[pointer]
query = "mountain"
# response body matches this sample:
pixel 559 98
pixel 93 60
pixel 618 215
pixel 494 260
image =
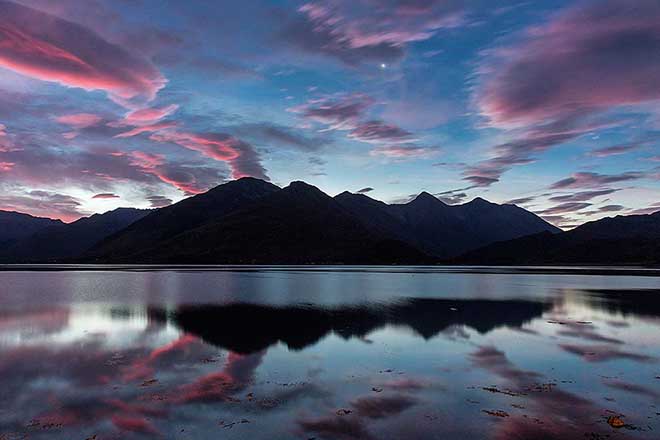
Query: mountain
pixel 61 240
pixel 250 221
pixel 16 226
pixel 166 223
pixel 445 230
pixel 633 239
pixel 298 224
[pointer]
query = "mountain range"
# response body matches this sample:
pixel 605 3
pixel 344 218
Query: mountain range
pixel 251 221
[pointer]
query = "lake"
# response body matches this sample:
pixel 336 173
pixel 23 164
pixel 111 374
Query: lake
pixel 329 353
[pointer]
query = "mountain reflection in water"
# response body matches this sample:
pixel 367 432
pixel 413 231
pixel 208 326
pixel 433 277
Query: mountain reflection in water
pixel 556 358
pixel 246 328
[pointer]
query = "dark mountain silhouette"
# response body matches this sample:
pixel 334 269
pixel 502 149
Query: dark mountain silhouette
pixel 16 226
pixel 445 230
pixel 250 221
pixel 249 328
pixel 633 239
pixel 66 240
pixel 298 224
pixel 166 223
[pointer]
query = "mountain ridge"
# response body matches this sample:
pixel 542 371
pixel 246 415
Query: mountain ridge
pixel 633 239
pixel 251 221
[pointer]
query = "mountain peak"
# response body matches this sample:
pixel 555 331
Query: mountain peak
pixel 480 202
pixel 249 179
pixel 300 188
pixel 299 184
pixel 427 199
pixel 243 185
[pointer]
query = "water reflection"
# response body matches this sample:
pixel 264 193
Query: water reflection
pixel 246 328
pixel 566 363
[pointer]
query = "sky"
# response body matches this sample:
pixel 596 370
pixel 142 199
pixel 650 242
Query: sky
pixel 551 105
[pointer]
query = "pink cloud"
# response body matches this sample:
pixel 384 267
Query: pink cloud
pixel 146 129
pixel 149 115
pixel 49 48
pixel 79 120
pixel 6 166
pixel 155 164
pixel 242 158
pixel 145 116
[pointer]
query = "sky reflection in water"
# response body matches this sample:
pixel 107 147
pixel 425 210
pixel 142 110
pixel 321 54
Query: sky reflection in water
pixel 328 354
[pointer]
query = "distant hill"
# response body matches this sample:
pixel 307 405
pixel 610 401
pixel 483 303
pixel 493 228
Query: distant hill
pixel 445 230
pixel 16 226
pixel 59 241
pixel 633 239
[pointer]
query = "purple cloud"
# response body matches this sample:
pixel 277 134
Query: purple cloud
pixel 582 196
pixel 590 180
pixel 339 112
pixel 520 201
pixel 614 150
pixel 564 208
pixel 606 208
pixel 379 132
pixel 105 196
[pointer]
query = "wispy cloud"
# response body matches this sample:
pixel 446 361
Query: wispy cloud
pixel 52 49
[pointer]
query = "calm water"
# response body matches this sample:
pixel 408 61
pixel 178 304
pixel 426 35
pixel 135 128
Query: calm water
pixel 327 353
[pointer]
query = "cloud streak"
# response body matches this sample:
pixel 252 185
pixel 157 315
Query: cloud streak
pixel 595 180
pixel 49 48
